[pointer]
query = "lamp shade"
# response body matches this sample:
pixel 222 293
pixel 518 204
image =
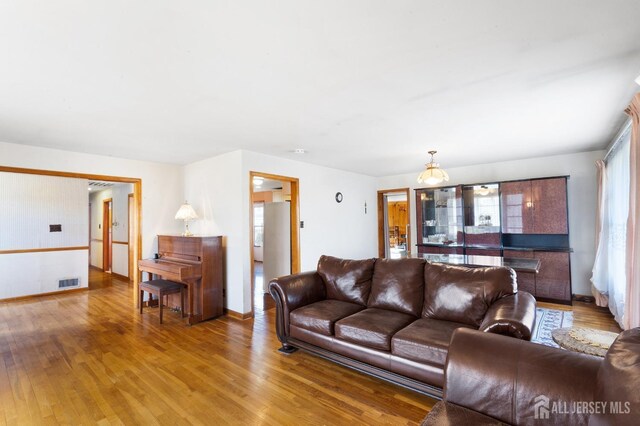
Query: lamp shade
pixel 186 212
pixel 433 174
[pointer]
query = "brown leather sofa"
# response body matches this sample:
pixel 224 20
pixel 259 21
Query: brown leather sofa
pixel 493 380
pixel 394 318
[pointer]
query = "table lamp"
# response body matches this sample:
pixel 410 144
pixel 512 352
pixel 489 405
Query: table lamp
pixel 186 213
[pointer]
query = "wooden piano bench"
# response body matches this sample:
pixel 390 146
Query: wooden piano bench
pixel 162 288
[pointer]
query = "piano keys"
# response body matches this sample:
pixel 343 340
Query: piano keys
pixel 196 262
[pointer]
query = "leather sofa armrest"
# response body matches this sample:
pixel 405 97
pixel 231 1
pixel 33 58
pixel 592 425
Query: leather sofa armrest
pixel 512 315
pixel 509 379
pixel 290 293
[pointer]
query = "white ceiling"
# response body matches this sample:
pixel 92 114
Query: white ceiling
pixel 367 86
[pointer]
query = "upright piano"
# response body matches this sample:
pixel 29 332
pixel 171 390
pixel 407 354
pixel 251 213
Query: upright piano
pixel 196 262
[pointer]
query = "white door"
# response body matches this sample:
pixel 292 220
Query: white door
pixel 277 241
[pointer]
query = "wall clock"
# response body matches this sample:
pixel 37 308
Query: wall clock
pixel 338 197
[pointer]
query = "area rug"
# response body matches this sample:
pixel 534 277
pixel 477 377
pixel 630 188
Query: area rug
pixel 548 320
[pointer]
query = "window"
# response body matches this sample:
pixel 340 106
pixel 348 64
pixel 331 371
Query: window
pixel 609 272
pixel 258 224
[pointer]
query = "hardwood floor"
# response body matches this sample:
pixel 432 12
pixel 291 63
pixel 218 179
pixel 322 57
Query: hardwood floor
pixel 588 315
pixel 91 358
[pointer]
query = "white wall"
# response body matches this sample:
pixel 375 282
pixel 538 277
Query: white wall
pixel 213 187
pixel 162 184
pixel 581 198
pixel 28 205
pixel 33 273
pixel 218 188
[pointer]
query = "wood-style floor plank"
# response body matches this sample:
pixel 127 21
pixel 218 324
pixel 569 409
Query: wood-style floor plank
pixel 91 358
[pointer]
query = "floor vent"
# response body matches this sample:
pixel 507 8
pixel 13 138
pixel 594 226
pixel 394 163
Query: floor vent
pixel 71 282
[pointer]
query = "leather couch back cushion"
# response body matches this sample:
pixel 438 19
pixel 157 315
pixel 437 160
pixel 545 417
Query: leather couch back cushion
pixel 619 378
pixel 398 285
pixel 459 294
pixel 346 280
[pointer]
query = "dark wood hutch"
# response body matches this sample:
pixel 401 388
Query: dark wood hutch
pixel 525 218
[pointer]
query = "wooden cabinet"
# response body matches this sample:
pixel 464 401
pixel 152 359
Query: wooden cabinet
pixel 537 206
pixel 482 252
pixel 553 281
pixel 550 206
pixel 527 217
pixel 526 280
pixel 517 207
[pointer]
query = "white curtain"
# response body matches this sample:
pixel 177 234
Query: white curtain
pixel 609 271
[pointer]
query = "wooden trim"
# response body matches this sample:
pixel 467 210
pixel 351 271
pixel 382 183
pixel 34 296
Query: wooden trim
pixel 96 240
pixel 126 243
pixel 294 223
pixel 51 293
pixel 137 248
pixel 121 277
pixel 381 241
pixel 68 174
pixel 43 250
pixel 584 298
pixel 237 315
pixel 130 235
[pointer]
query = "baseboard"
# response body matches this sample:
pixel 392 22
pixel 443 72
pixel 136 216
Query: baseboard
pixel 584 298
pixel 238 315
pixel 51 293
pixel 120 277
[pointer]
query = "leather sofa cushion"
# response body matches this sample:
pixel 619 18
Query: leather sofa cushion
pixel 425 340
pixel 460 294
pixel 320 317
pixel 346 280
pixel 619 378
pixel 398 285
pixel 446 414
pixel 372 327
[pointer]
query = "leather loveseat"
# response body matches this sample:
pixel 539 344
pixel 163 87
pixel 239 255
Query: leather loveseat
pixel 493 380
pixel 394 318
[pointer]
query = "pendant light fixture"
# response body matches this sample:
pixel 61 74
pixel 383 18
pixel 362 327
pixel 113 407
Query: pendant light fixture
pixel 433 174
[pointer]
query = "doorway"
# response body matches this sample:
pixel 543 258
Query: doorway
pixel 275 238
pixel 95 246
pixel 107 234
pixel 113 231
pixel 394 234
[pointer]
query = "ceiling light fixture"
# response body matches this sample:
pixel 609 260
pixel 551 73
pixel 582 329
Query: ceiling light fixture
pixel 433 174
pixel 483 190
pixel 299 151
pixel 258 181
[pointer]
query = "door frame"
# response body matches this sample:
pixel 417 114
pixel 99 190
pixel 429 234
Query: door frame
pixel 381 216
pixel 294 223
pixel 137 196
pixel 107 234
pixel 131 213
